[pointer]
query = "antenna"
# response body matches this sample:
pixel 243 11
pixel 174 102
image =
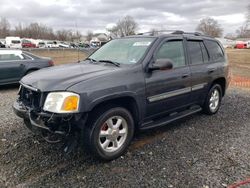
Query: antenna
pixel 78 55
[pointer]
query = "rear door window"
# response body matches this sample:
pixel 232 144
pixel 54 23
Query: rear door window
pixel 195 53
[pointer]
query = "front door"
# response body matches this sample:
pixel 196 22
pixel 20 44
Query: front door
pixel 11 68
pixel 168 90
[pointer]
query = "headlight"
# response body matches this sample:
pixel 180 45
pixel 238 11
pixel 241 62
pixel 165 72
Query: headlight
pixel 62 102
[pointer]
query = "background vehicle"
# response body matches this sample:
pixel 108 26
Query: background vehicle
pixel 241 45
pixel 40 44
pixel 27 44
pixel 63 45
pixel 132 83
pixel 48 44
pixel 14 64
pixel 2 45
pixel 55 44
pixel 13 42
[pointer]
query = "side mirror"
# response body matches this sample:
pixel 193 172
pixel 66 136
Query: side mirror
pixel 162 64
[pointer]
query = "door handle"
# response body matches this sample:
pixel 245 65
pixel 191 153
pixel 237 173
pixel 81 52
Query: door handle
pixel 185 75
pixel 211 70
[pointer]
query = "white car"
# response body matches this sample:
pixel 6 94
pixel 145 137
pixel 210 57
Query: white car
pixel 49 44
pixel 13 42
pixel 63 45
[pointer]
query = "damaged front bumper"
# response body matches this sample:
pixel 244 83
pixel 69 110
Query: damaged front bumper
pixel 52 127
pixel 61 124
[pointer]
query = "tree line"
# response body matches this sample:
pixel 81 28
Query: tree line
pixel 37 31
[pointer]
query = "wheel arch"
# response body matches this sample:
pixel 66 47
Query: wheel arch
pixel 222 82
pixel 127 102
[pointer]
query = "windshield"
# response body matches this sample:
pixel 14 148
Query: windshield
pixel 125 51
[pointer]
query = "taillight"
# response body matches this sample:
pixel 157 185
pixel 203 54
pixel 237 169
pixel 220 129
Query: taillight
pixel 51 63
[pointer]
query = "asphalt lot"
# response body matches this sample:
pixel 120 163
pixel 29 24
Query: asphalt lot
pixel 200 151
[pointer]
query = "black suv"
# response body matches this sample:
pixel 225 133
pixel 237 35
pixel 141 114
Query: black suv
pixel 129 84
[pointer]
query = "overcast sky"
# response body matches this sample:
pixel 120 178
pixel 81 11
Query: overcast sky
pixel 96 15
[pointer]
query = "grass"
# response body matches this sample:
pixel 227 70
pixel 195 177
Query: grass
pixel 239 61
pixel 61 56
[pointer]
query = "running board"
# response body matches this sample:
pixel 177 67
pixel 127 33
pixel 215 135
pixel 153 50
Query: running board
pixel 170 118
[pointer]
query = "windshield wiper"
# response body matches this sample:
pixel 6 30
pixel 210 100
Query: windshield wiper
pixel 111 62
pixel 90 59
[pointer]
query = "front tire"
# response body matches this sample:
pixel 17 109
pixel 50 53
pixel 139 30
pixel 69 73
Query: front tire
pixel 109 133
pixel 213 100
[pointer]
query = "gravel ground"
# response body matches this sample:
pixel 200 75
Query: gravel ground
pixel 200 151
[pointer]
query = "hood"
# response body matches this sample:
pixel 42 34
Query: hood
pixel 62 77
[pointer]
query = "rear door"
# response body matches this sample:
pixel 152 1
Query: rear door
pixel 203 68
pixel 11 67
pixel 168 90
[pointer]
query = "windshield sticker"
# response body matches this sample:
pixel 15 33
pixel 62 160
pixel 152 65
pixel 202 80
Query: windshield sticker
pixel 141 43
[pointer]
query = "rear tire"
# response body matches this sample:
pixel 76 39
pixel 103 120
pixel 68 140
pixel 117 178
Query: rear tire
pixel 109 132
pixel 213 100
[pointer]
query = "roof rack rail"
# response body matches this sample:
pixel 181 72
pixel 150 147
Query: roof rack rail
pixel 177 32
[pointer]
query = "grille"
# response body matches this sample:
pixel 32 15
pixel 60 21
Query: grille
pixel 30 98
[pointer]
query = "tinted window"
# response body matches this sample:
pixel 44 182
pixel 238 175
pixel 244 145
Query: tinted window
pixel 195 53
pixel 214 50
pixel 172 50
pixel 204 52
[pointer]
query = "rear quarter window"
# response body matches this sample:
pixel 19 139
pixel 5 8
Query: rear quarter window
pixel 214 50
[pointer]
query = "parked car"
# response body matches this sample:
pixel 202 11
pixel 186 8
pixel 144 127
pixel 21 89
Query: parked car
pixel 83 45
pixel 27 44
pixel 13 42
pixel 241 45
pixel 40 44
pixel 14 64
pixel 132 83
pixel 48 44
pixel 63 45
pixel 2 45
pixel 55 44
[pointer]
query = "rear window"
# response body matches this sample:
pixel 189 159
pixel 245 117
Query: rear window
pixel 16 41
pixel 214 50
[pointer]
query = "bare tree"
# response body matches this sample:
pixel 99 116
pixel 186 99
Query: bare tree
pixel 114 32
pixel 19 30
pixel 248 17
pixel 210 26
pixel 62 34
pixel 124 27
pixel 89 35
pixel 37 31
pixel 4 27
pixel 244 30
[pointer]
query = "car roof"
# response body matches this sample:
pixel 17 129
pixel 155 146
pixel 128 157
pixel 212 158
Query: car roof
pixel 17 52
pixel 171 33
